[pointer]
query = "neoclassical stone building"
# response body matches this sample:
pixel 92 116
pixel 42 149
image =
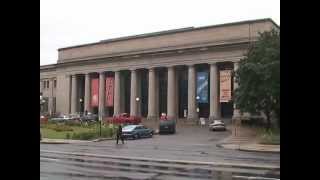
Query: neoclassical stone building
pixel 148 74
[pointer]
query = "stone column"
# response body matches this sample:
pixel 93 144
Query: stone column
pixel 50 98
pixel 192 111
pixel 87 92
pixel 74 101
pixel 122 93
pixel 139 103
pixel 152 95
pixel 236 112
pixel 171 93
pixel 157 94
pixel 102 90
pixel 214 92
pixel 69 93
pixel 133 93
pixel 116 110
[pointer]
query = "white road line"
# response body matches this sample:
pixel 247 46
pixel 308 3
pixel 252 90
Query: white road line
pixel 49 159
pixel 254 178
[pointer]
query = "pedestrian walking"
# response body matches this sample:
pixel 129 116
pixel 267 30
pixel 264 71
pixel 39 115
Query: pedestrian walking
pixel 119 134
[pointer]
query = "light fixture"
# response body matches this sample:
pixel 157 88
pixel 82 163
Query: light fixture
pixel 80 100
pixel 197 97
pixel 137 99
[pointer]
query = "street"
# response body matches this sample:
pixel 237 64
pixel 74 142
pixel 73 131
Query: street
pixel 191 153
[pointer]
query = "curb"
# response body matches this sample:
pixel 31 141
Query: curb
pixel 61 141
pixel 256 150
pixel 102 139
pixel 238 147
pixel 46 142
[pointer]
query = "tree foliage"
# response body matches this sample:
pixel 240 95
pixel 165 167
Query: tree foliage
pixel 258 76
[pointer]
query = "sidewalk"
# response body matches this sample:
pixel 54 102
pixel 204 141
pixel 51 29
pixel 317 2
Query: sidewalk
pixel 245 139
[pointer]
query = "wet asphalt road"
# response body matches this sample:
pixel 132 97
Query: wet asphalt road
pixel 191 144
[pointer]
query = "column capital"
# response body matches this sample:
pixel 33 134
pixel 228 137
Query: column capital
pixel 213 63
pixel 151 69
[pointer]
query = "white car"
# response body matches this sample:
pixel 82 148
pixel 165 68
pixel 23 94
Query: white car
pixel 217 125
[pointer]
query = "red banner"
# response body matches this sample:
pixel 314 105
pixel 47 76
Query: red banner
pixel 109 91
pixel 94 92
pixel 225 85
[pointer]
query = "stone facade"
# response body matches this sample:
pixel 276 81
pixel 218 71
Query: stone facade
pixel 188 47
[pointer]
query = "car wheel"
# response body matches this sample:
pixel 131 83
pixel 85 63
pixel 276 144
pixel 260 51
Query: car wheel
pixel 136 136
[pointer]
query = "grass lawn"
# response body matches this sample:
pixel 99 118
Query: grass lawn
pixel 52 134
pixel 56 131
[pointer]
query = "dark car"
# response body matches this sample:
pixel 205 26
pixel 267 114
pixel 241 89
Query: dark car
pixel 136 131
pixel 167 125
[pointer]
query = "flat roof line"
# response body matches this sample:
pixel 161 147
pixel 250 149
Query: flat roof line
pixel 159 33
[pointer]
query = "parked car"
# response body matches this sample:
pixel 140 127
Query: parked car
pixel 136 131
pixel 43 119
pixel 217 125
pixel 61 118
pixel 167 125
pixel 125 118
pixel 89 118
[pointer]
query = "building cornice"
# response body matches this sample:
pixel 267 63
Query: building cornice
pixel 157 52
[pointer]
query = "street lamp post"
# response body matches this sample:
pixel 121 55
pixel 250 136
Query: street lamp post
pixel 198 108
pixel 80 110
pixel 137 101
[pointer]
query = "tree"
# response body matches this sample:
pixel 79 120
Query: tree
pixel 258 77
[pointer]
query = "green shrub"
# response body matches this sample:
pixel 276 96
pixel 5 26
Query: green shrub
pixel 270 137
pixel 73 123
pixel 67 136
pixel 60 128
pixel 57 127
pixel 85 135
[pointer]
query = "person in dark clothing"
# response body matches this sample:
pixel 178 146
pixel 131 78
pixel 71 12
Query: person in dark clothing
pixel 119 134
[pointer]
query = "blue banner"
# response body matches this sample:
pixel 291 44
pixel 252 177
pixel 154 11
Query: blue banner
pixel 202 87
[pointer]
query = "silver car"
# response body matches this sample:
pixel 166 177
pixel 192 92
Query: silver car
pixel 217 125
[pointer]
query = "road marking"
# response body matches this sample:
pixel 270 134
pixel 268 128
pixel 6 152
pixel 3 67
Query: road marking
pixel 49 159
pixel 169 160
pixel 254 178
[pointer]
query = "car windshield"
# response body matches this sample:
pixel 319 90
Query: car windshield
pixel 129 128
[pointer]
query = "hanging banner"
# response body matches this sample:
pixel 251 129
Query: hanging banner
pixel 225 85
pixel 109 91
pixel 94 92
pixel 202 87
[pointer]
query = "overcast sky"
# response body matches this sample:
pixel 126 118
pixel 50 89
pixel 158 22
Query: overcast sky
pixel 72 22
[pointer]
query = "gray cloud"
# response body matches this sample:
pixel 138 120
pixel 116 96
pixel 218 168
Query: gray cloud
pixel 72 22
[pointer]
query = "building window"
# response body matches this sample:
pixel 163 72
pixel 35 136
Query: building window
pixel 55 83
pixel 47 84
pixel 44 84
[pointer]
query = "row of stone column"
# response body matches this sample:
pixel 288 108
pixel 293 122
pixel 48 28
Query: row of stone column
pixel 152 93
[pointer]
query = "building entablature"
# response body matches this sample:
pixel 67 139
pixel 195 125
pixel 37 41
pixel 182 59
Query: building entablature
pixel 187 38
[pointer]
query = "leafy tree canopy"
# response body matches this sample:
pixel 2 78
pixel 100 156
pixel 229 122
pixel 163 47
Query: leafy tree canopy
pixel 258 76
